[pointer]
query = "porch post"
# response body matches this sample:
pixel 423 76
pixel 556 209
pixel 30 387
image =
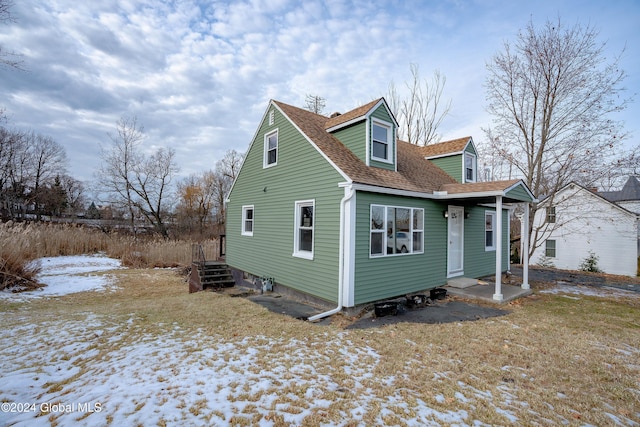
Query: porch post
pixel 525 248
pixel 498 295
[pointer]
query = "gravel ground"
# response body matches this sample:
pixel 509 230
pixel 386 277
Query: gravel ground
pixel 566 277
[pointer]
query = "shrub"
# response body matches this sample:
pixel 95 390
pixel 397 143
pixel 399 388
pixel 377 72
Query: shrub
pixel 546 262
pixel 590 263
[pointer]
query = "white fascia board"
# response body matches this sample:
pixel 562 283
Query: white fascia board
pixel 375 107
pixel 345 124
pixel 534 200
pixel 393 191
pixel 313 144
pixel 439 156
pixel 436 195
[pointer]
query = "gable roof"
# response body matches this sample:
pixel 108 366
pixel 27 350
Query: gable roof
pixel 446 148
pixel 357 113
pixel 597 196
pixel 630 191
pixel 414 173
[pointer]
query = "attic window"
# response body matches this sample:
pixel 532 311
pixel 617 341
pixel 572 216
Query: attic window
pixel 271 149
pixel 271 117
pixel 380 142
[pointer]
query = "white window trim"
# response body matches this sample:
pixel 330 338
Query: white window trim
pixel 384 232
pixel 296 230
pixel 265 158
pixel 493 224
pixel 555 248
pixel 390 145
pixel 244 219
pixel 473 158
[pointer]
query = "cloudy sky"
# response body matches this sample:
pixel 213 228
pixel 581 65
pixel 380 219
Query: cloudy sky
pixel 198 74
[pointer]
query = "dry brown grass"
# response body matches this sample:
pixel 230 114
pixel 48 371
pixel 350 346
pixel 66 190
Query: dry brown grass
pixel 23 242
pixel 552 360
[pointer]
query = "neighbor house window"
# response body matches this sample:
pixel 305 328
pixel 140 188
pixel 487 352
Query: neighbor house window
pixel 396 230
pixel 304 229
pixel 550 248
pixel 469 167
pixel 247 220
pixel 551 214
pixel 489 231
pixel 271 149
pixel 380 142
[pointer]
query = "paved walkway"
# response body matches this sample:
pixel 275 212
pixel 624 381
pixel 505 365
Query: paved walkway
pixel 444 311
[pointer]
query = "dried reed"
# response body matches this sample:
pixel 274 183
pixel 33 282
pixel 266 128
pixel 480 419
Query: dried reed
pixel 23 242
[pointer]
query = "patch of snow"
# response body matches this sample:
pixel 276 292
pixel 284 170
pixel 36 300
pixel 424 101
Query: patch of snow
pixel 592 291
pixel 69 274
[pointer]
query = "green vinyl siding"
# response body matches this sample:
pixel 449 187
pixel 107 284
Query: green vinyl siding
pixel 519 193
pixel 354 138
pixel 470 149
pixel 389 276
pixel 479 262
pixel 451 165
pixel 300 174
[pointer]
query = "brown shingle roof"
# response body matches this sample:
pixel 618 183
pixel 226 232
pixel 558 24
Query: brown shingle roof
pixel 478 187
pixel 350 115
pixel 446 147
pixel 414 172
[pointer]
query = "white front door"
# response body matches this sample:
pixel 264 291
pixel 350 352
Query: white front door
pixel 455 248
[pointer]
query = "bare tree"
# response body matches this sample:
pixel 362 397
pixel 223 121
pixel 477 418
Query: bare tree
pixel 315 103
pixel 8 59
pixel 196 197
pixel 48 161
pixel 226 171
pixel 74 191
pixel 551 95
pixel 421 112
pixel 139 184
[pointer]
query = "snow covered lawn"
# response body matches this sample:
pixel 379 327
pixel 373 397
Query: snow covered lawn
pixel 64 362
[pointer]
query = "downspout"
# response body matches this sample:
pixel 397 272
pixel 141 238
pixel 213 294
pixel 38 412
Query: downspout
pixel 347 197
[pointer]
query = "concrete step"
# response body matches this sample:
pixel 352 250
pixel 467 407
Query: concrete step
pixel 462 282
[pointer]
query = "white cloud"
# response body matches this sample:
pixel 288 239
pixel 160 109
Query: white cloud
pixel 198 75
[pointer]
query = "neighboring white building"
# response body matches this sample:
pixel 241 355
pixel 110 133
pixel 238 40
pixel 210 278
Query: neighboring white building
pixel 577 222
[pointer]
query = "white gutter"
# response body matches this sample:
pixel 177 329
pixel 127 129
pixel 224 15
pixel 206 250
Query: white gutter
pixel 349 194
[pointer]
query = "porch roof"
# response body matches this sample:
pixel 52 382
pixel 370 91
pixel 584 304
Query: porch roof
pixel 512 191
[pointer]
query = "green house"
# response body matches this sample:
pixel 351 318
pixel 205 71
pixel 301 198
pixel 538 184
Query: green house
pixel 337 208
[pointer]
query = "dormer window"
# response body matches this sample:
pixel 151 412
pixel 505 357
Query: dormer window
pixel 469 167
pixel 380 142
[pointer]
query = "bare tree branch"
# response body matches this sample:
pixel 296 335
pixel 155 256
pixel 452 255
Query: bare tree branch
pixel 421 112
pixel 552 96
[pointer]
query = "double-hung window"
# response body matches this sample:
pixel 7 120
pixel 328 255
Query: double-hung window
pixel 550 248
pixel 551 214
pixel 469 167
pixel 489 231
pixel 381 146
pixel 304 229
pixel 396 230
pixel 271 149
pixel 247 220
